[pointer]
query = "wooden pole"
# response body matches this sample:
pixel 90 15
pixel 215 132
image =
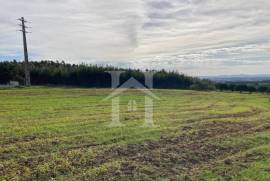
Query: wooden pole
pixel 26 61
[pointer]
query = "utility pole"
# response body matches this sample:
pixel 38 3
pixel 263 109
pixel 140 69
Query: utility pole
pixel 26 64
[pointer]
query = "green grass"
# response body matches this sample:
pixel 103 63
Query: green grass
pixel 62 133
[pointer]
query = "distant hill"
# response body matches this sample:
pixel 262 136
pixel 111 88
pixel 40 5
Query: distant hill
pixel 239 78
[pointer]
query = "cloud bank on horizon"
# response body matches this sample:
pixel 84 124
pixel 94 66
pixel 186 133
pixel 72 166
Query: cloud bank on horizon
pixel 196 37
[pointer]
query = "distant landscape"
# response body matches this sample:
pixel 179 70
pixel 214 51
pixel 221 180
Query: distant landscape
pixel 239 78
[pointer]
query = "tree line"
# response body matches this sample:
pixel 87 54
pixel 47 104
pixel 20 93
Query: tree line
pixel 84 75
pixel 244 87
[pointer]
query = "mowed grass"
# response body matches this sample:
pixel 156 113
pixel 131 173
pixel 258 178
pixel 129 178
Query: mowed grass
pixel 63 134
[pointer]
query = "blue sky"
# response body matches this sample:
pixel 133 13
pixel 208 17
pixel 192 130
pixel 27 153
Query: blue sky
pixel 196 37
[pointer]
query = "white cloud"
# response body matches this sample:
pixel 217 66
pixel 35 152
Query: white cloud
pixel 191 36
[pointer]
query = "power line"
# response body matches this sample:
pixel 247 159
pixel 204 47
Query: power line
pixel 26 61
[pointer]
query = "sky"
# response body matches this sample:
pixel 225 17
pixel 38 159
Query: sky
pixel 195 37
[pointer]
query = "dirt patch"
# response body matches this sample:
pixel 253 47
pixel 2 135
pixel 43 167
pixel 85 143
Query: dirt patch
pixel 262 128
pixel 13 140
pixel 245 114
pixel 219 129
pixel 201 108
pixel 252 112
pixel 172 156
pixel 165 159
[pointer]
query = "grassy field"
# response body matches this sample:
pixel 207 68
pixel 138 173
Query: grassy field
pixel 63 134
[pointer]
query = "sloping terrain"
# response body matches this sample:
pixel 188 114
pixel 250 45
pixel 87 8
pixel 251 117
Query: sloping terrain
pixel 63 134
